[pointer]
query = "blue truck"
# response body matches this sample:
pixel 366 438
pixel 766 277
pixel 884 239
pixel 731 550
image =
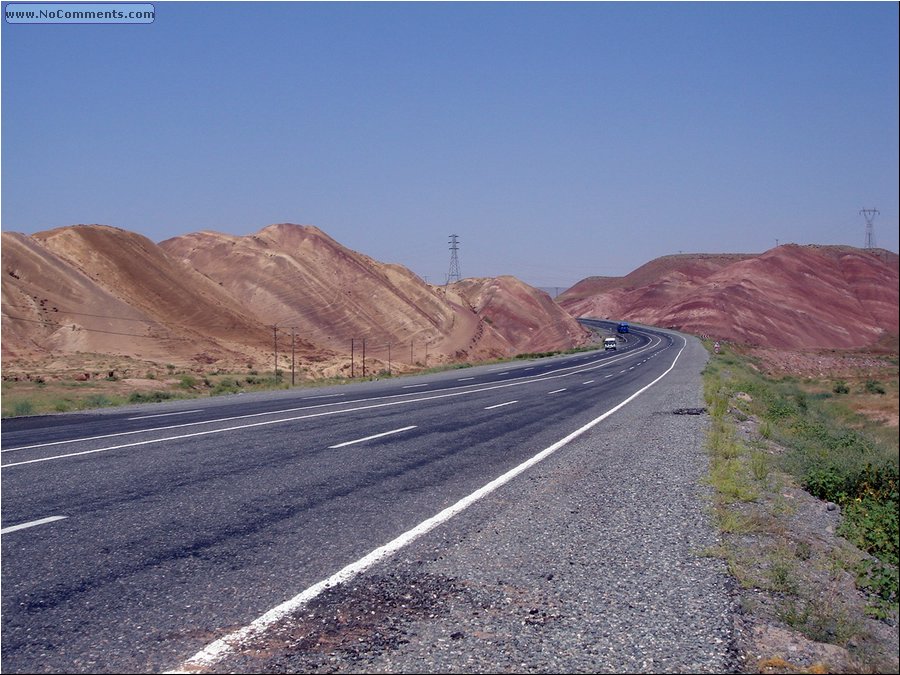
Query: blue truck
pixel 623 327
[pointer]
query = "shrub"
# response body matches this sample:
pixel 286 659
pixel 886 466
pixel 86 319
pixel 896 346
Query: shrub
pixel 24 407
pixel 874 387
pixel 152 397
pixel 840 387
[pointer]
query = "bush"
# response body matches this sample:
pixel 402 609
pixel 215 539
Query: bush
pixel 840 387
pixel 22 408
pixel 152 397
pixel 874 387
pixel 97 401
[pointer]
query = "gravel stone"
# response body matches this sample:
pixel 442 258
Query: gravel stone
pixel 592 561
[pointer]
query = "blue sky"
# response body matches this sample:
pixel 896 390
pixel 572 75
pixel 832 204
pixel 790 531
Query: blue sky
pixel 557 140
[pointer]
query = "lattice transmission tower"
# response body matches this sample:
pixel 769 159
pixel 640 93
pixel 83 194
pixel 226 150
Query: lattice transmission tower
pixel 869 215
pixel 453 274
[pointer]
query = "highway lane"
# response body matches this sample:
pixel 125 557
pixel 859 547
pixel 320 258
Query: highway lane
pixel 26 431
pixel 168 544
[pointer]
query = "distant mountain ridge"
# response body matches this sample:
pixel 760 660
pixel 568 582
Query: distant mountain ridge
pixel 792 296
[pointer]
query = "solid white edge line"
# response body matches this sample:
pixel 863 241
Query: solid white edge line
pixel 488 386
pixel 369 438
pixel 223 646
pixel 452 393
pixel 33 523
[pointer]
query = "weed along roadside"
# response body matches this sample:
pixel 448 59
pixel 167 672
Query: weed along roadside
pixel 806 498
pixel 42 392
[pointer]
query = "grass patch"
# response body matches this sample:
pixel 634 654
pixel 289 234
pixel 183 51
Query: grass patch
pixel 830 450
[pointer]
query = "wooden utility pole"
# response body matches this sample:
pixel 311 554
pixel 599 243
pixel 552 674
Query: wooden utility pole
pixel 293 352
pixel 275 338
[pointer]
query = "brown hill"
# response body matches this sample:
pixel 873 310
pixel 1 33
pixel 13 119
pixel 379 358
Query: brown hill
pixel 98 289
pixel 791 296
pixel 526 317
pixel 297 276
pixel 209 298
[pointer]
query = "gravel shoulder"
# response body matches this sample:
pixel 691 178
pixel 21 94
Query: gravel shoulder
pixel 594 560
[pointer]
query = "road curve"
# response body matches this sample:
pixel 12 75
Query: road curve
pixel 133 539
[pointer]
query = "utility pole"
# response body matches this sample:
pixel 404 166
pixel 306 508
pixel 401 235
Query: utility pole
pixel 869 215
pixel 275 338
pixel 352 348
pixel 293 352
pixel 364 357
pixel 453 274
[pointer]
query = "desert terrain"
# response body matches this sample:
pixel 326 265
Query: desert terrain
pixel 212 300
pixel 101 315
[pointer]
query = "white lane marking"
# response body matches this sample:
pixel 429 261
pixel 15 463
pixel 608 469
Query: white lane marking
pixel 229 643
pixel 369 438
pixel 33 523
pixel 588 382
pixel 550 374
pixel 147 417
pixel 413 386
pixel 463 379
pixel 530 368
pixel 451 393
pixel 503 373
pixel 556 391
pixel 313 398
pixel 608 376
pixel 500 405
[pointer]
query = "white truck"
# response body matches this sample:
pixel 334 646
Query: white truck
pixel 609 343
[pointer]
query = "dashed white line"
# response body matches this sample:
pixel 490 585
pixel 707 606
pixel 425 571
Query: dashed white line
pixel 219 649
pixel 500 405
pixel 463 379
pixel 588 382
pixel 33 523
pixel 556 391
pixel 413 386
pixel 369 438
pixel 147 417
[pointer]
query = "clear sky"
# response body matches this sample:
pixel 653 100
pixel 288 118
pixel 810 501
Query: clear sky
pixel 558 140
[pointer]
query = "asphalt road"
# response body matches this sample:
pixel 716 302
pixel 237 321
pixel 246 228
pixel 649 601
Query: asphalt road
pixel 134 538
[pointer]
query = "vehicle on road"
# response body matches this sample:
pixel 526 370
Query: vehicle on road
pixel 609 343
pixel 623 327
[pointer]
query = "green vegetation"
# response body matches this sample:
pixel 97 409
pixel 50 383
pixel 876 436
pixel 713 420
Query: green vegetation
pixel 828 450
pixel 38 396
